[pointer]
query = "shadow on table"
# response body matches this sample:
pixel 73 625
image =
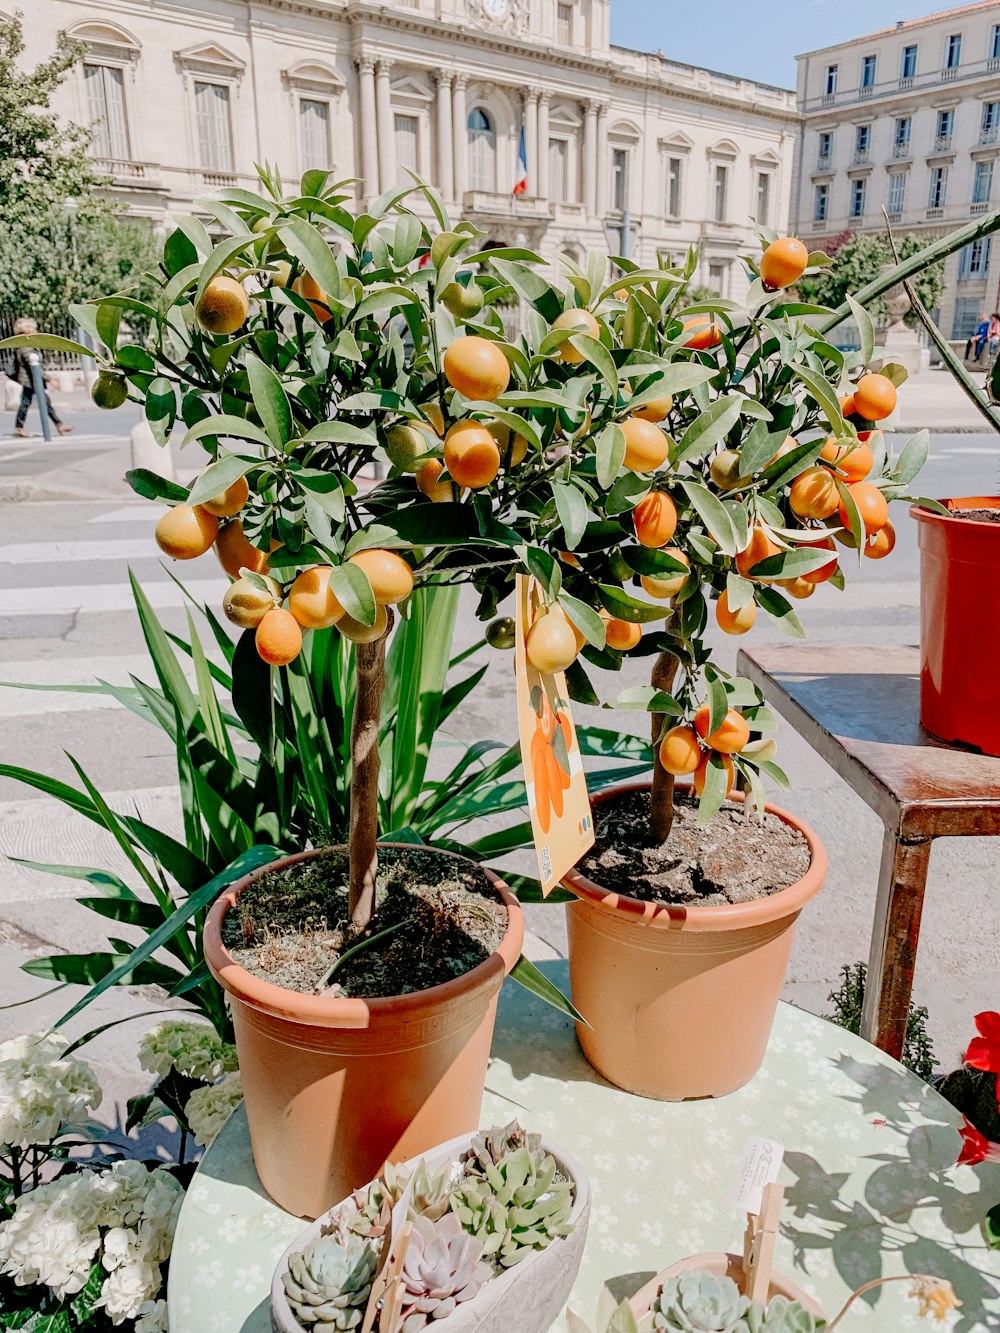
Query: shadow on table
pixel 258 1320
pixel 884 708
pixel 913 1205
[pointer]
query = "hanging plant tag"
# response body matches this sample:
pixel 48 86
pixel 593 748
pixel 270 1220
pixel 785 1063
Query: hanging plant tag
pixel 561 821
pixel 759 1166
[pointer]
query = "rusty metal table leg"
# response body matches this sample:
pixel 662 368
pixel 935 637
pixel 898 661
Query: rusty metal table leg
pixel 895 934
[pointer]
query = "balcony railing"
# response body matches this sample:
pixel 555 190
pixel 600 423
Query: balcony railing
pixel 122 170
pixel 819 224
pixel 975 209
pixel 828 99
pixel 948 74
pixel 865 92
pixel 993 64
pixel 989 135
pixel 905 83
pixel 218 180
pixel 933 213
pixel 894 214
pixel 901 149
pixel 967 71
pixel 823 162
pixel 861 157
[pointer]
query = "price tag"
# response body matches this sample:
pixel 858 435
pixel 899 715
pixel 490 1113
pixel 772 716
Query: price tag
pixel 760 1165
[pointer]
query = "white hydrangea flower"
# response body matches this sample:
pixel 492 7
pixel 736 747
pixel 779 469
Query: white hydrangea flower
pixel 52 1238
pixel 42 1088
pixel 152 1317
pixel 128 1288
pixel 208 1109
pixel 193 1049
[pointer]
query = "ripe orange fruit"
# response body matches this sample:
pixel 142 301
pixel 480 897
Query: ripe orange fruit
pixel 186 531
pixel 655 519
pixel 224 306
pixel 786 447
pixel 854 461
pixel 621 634
pixel 357 632
pixel 872 506
pixel 760 547
pixel 666 585
pixel 278 637
pixel 231 501
pixel 309 289
pixel 848 407
pixel 428 483
pixel 825 571
pixel 729 737
pixel 874 397
pixel 552 644
pixel 799 588
pixel 477 368
pixel 236 553
pixel 471 454
pixel 656 410
pixel 680 752
pixel 246 605
pixel 646 446
pixel 388 573
pixel 701 773
pixel 881 543
pixel 579 321
pixel 312 601
pixel 814 494
pixel 734 622
pixel 703 333
pixel 783 262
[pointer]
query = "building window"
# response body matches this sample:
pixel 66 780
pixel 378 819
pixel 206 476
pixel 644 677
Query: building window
pixel 564 24
pixel 982 184
pixel 858 198
pixel 675 168
pixel 862 142
pixel 215 128
pixel 939 187
pixel 995 42
pixel 558 171
pixel 965 319
pixel 945 125
pixel 314 132
pixel 825 145
pixel 901 138
pixel 821 205
pixel 897 193
pixel 974 260
pixel 106 103
pixel 830 81
pixel 619 179
pixel 482 152
pixel 908 67
pixel 407 143
pixel 990 122
pixel 868 71
pixel 717 273
pixel 953 51
pixel 763 197
pixel 721 193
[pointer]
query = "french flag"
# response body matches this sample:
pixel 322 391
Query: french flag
pixel 521 183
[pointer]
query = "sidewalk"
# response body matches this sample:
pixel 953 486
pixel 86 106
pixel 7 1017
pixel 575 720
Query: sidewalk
pixel 933 399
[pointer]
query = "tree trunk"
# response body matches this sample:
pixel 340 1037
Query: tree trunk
pixel 661 800
pixel 363 835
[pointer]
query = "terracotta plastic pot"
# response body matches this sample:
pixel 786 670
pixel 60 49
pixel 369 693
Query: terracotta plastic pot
pixel 334 1087
pixel 680 1001
pixel 959 624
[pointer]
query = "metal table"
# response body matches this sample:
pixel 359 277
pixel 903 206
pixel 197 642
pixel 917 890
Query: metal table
pixel 859 708
pixel 869 1174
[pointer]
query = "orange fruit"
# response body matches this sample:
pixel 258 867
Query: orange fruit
pixel 428 484
pixel 621 634
pixel 825 571
pixel 734 622
pixel 580 321
pixel 646 446
pixel 312 601
pixel 552 644
pixel 874 397
pixel 814 494
pixel 666 585
pixel 730 735
pixel 656 410
pixel 223 307
pixel 501 433
pixel 230 501
pixel 799 588
pixel 434 415
pixel 783 262
pixel 388 573
pixel 477 368
pixel 655 519
pixel 881 543
pixel 680 752
pixel 701 772
pixel 309 289
pixel 235 552
pixel 186 531
pixel 848 407
pixel 872 506
pixel 855 462
pixel 359 633
pixel 246 605
pixel 703 333
pixel 471 454
pixel 784 448
pixel 278 637
pixel 760 547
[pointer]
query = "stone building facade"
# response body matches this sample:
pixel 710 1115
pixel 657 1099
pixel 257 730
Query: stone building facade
pixel 622 148
pixel 908 118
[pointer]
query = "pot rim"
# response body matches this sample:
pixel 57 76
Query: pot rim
pixel 960 502
pixel 343 1011
pixel 712 917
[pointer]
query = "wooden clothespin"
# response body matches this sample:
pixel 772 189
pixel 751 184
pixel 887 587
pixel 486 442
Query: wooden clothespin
pixel 392 1302
pixel 765 1231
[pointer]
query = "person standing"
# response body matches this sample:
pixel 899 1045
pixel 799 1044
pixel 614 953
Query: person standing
pixel 22 376
pixel 993 334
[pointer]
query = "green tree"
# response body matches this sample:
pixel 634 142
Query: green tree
pixel 859 260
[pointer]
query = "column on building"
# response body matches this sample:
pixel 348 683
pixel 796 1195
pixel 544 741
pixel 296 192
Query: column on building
pixel 542 174
pixel 445 149
pixel 603 200
pixel 532 147
pixel 460 120
pixel 590 158
pixel 386 130
pixel 366 125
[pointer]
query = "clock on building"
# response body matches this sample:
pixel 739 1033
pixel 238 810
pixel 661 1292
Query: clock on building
pixel 496 9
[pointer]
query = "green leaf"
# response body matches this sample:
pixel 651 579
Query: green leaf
pixel 714 514
pixel 718 703
pixel 218 476
pixel 302 240
pixel 598 356
pixel 992 1224
pixel 789 565
pixel 646 560
pixel 237 427
pixel 624 607
pixel 823 394
pixel 352 589
pixel 270 400
pixel 913 457
pixel 153 487
pixel 585 618
pixel 526 974
pixel 610 454
pixel 325 489
pixel 854 520
pixel 779 608
pixel 528 890
pixel 714 795
pixel 47 342
pixel 341 432
pixel 572 510
pixel 866 328
pixel 178 252
pixel 713 425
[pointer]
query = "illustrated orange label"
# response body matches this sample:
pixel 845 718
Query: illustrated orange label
pixel 561 821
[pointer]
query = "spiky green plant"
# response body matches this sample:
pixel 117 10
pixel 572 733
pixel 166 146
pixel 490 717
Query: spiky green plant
pixel 515 1207
pixel 328 1284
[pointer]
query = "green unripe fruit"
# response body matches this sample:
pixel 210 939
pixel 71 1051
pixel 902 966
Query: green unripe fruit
pixel 464 302
pixel 620 567
pixel 501 633
pixel 405 444
pixel 109 391
pixel 725 470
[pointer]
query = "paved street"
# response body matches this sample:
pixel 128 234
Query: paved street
pixel 65 617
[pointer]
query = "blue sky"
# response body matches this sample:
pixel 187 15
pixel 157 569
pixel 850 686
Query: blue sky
pixel 757 41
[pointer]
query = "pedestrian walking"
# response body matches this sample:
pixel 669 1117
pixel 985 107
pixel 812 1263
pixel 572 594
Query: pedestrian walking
pixel 993 335
pixel 22 376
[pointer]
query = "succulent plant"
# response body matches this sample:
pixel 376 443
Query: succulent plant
pixel 781 1316
pixel 700 1303
pixel 328 1285
pixel 493 1145
pixel 516 1206
pixel 443 1267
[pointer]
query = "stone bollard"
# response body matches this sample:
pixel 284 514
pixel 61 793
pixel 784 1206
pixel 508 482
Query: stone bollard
pixel 146 453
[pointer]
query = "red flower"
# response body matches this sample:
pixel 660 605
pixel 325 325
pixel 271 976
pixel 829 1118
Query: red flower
pixel 976 1147
pixel 984 1050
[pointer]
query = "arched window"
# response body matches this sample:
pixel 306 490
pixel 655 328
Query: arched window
pixel 482 151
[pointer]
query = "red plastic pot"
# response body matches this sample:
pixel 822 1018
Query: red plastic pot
pixel 960 624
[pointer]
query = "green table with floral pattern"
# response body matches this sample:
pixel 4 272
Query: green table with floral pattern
pixel 871 1186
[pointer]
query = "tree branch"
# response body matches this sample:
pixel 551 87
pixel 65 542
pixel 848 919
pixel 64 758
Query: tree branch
pixel 363 834
pixel 661 799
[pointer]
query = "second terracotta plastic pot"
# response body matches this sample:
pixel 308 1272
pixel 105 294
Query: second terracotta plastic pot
pixel 680 1001
pixel 960 624
pixel 335 1087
